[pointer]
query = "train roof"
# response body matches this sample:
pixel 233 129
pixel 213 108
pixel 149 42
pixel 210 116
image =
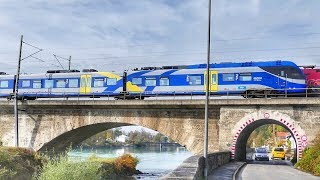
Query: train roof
pixel 244 64
pixel 224 65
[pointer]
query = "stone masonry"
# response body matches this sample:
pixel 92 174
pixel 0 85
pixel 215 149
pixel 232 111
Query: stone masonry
pixel 54 124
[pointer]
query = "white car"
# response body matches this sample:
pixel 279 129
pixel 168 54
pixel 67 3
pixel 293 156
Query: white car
pixel 261 154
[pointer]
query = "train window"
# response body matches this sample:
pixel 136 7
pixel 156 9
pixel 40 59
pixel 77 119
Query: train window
pixel 98 83
pixel 245 77
pixel 285 71
pixel 4 84
pixel 136 81
pixel 151 82
pixel 228 77
pixel 61 83
pixel 73 83
pixel 164 81
pixel 36 84
pixel 26 83
pixel 195 80
pixel 111 81
pixel 294 73
pixel 48 84
pixel 214 79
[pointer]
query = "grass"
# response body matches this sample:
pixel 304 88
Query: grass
pixel 62 168
pixel 93 168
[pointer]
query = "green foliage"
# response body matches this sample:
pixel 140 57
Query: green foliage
pixel 264 135
pixel 139 137
pixel 310 160
pixel 61 168
pixel 19 163
pixel 158 138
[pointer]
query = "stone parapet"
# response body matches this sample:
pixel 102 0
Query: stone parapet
pixel 193 167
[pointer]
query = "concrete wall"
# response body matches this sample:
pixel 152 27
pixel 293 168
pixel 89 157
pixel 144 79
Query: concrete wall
pixel 193 167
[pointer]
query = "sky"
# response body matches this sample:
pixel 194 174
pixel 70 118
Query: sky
pixel 117 35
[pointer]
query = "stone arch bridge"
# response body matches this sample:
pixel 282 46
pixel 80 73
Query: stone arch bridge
pixel 48 124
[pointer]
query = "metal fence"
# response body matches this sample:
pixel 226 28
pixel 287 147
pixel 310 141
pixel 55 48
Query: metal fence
pixel 170 95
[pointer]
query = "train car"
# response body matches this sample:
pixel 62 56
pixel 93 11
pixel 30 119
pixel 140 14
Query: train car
pixel 62 84
pixel 253 78
pixel 6 85
pixel 312 74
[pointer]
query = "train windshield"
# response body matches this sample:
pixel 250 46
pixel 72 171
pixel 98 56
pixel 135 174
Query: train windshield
pixel 285 71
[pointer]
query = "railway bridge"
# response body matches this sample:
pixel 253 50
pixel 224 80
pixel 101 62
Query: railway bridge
pixel 55 124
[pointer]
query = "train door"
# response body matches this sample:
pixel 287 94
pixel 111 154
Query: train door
pixel 85 84
pixel 282 81
pixel 213 81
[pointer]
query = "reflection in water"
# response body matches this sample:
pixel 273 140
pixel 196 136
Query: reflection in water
pixel 154 160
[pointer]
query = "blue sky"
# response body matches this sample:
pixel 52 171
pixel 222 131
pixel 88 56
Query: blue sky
pixel 113 35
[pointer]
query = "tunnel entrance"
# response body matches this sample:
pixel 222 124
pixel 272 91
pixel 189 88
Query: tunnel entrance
pixel 241 145
pixel 246 126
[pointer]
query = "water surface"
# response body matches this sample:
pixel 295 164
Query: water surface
pixel 154 161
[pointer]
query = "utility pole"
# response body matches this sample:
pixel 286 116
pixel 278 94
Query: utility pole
pixel 16 112
pixel 69 63
pixel 274 134
pixel 207 96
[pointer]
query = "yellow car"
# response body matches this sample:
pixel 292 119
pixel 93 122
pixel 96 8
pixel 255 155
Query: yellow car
pixel 278 152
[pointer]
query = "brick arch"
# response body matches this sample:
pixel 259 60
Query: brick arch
pixel 267 117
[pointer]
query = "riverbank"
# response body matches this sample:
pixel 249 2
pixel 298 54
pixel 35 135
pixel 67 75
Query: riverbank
pixel 20 163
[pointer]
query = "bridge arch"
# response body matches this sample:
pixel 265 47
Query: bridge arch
pixel 250 122
pixel 70 132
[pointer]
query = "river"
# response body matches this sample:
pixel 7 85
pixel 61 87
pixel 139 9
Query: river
pixel 154 161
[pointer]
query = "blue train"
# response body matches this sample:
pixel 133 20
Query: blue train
pixel 252 79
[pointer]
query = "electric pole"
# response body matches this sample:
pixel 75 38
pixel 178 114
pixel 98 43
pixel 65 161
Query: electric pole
pixel 16 112
pixel 207 96
pixel 69 63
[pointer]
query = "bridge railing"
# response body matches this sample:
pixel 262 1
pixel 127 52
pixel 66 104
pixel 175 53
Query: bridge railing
pixel 171 95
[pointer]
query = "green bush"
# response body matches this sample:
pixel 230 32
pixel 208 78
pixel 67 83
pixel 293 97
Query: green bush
pixel 61 168
pixel 19 163
pixel 112 168
pixel 310 160
pixel 64 169
pixel 126 165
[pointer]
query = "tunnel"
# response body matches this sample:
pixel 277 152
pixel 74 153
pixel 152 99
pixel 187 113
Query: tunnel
pixel 240 145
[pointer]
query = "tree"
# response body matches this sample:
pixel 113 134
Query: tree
pixel 117 132
pixel 156 138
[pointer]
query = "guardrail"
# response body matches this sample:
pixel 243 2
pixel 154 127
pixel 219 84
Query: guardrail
pixel 172 95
